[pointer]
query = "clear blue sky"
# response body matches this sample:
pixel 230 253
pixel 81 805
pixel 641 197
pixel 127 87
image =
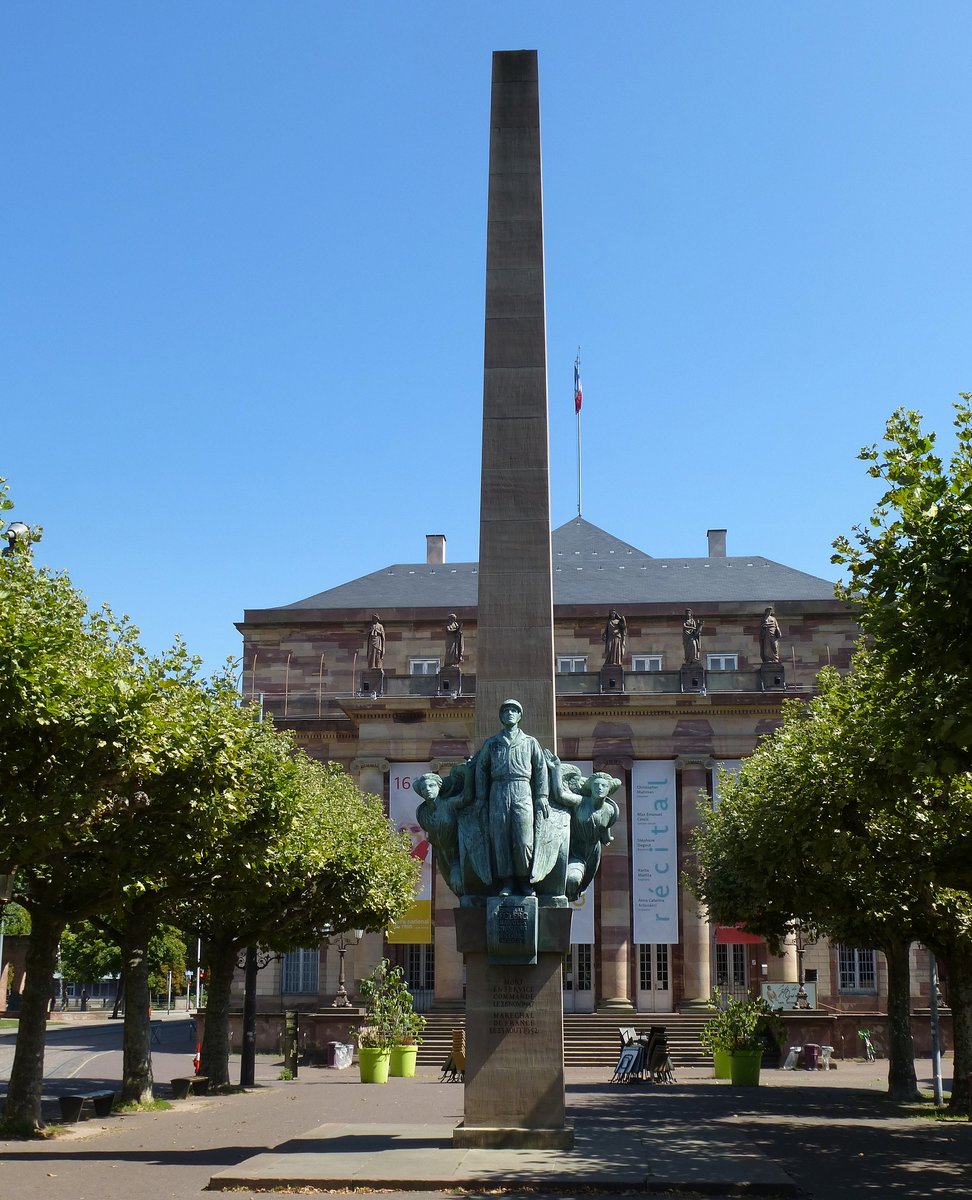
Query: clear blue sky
pixel 243 285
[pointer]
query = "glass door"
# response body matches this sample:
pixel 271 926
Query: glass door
pixel 654 979
pixel 579 979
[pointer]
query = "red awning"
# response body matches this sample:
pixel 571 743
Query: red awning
pixel 736 935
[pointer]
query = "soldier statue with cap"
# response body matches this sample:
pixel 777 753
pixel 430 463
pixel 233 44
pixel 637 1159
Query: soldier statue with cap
pixel 513 786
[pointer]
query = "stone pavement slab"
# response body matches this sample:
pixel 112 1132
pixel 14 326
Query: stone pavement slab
pixel 422 1156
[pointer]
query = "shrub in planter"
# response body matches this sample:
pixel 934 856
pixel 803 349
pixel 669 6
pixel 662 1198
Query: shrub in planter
pixel 738 1028
pixel 391 1013
pixel 373 1055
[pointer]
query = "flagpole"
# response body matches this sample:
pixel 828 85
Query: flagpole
pixel 577 410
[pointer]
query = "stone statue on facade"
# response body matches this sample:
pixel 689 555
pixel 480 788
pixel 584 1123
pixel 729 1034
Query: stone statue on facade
pixel 769 636
pixel 515 820
pixel 615 637
pixel 376 643
pixel 692 638
pixel 455 644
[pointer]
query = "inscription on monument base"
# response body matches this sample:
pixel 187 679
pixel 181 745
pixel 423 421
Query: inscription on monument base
pixel 511 930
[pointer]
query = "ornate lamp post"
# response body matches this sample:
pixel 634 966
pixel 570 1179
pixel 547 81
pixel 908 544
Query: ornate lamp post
pixel 802 999
pixel 342 943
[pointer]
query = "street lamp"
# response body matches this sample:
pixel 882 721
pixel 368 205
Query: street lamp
pixel 342 943
pixel 16 532
pixel 802 999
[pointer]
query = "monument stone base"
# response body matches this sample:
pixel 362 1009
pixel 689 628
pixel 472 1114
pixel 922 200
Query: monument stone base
pixel 514 1083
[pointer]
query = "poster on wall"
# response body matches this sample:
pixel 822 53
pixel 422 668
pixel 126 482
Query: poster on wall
pixel 730 765
pixel 582 917
pixel 654 852
pixel 415 927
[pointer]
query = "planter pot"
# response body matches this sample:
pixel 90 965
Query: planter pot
pixel 720 1060
pixel 373 1064
pixel 403 1061
pixel 744 1067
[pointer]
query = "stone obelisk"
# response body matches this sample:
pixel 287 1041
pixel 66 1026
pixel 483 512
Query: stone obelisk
pixel 514 1083
pixel 514 629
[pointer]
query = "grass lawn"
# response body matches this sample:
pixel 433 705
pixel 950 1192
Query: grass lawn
pixel 5 1024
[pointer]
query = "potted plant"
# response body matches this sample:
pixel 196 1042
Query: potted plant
pixel 407 1041
pixel 373 1054
pixel 736 1036
pixel 392 1020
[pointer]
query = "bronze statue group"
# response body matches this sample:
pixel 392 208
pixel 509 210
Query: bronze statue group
pixel 515 820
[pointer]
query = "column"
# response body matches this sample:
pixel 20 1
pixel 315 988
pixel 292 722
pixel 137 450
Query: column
pixel 613 885
pixel 693 775
pixel 370 774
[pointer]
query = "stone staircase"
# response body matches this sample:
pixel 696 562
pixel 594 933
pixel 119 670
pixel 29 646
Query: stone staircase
pixel 590 1039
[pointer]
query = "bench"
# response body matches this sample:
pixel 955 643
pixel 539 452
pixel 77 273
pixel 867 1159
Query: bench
pixel 72 1104
pixel 185 1085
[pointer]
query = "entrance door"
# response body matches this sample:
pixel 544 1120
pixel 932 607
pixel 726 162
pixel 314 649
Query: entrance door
pixel 732 974
pixel 419 970
pixel 578 979
pixel 654 979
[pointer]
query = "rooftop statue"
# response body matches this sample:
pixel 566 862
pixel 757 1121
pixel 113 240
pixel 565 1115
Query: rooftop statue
pixel 455 644
pixel 615 636
pixel 769 637
pixel 376 643
pixel 692 638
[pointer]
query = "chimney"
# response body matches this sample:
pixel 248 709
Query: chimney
pixel 435 548
pixel 717 543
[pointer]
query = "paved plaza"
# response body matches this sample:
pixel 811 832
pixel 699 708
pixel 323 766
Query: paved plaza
pixel 827 1136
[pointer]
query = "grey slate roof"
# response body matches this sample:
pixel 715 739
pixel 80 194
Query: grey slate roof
pixel 590 567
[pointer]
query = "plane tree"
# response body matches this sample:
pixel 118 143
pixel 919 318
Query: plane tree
pixel 315 855
pixel 909 570
pixel 822 825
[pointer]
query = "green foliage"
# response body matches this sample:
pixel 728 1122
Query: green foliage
pixel 88 955
pixel 144 1106
pixel 285 1074
pixel 739 1024
pixel 910 567
pixel 16 921
pixel 392 1020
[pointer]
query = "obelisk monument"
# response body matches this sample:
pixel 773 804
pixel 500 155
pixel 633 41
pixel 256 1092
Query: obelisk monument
pixel 514 630
pixel 513 946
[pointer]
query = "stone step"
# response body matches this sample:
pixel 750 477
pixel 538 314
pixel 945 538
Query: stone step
pixel 590 1039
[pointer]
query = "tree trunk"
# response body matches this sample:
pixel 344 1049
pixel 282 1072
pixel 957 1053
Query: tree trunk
pixel 137 1052
pixel 960 998
pixel 23 1107
pixel 902 1081
pixel 216 1042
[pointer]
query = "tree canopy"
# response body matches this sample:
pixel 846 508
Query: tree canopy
pixel 910 567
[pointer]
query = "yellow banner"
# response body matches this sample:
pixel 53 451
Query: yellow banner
pixel 415 928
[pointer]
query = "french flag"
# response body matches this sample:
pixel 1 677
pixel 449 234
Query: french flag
pixel 578 390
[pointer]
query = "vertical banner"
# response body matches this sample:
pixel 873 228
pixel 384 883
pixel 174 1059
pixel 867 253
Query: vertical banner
pixel 731 765
pixel 654 852
pixel 416 925
pixel 582 916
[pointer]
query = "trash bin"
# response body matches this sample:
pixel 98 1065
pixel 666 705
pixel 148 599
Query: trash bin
pixel 811 1056
pixel 338 1055
pixel 329 1054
